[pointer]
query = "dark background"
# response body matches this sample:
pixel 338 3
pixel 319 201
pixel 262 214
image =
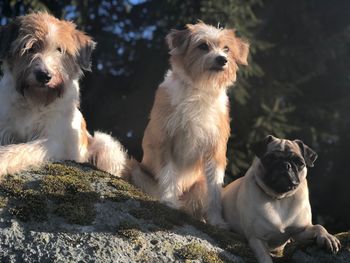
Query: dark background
pixel 296 85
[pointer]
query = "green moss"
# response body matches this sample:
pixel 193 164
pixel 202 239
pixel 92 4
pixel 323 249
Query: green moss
pixel 65 184
pixel 195 251
pixel 72 168
pixel 228 240
pixel 160 215
pixel 26 204
pixel 129 231
pixel 77 209
pixel 73 195
pixel 3 201
pixel 12 186
pixel 344 238
pixel 61 169
pixel 31 205
pixel 125 191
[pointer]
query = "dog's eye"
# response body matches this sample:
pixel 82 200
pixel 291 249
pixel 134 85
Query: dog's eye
pixel 204 47
pixel 32 49
pixel 59 49
pixel 226 49
pixel 299 162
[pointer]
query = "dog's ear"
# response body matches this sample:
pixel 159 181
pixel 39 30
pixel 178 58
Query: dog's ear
pixel 86 46
pixel 239 47
pixel 242 51
pixel 8 34
pixel 178 41
pixel 260 147
pixel 309 155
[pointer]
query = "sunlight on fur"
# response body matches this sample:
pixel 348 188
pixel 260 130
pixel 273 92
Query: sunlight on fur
pixel 43 59
pixel 184 144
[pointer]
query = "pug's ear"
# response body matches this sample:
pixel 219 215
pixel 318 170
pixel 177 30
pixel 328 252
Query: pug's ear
pixel 8 34
pixel 260 147
pixel 178 41
pixel 309 155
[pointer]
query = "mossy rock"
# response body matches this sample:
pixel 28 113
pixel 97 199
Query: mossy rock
pixel 195 251
pixel 65 211
pixel 65 187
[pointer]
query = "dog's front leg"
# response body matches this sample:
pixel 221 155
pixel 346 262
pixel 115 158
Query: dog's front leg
pixel 17 157
pixel 260 250
pixel 323 238
pixel 215 178
pixel 168 186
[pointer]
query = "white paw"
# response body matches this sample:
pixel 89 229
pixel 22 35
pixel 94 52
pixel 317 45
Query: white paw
pixel 217 221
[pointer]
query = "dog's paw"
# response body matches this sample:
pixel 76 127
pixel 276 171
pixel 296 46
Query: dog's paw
pixel 329 241
pixel 222 225
pixel 170 204
pixel 217 221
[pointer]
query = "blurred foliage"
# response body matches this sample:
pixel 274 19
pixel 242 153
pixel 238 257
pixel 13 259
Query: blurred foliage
pixel 296 84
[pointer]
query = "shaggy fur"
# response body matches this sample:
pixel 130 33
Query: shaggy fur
pixel 185 141
pixel 43 59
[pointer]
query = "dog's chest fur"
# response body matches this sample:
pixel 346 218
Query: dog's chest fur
pixel 197 115
pixel 22 121
pixel 20 126
pixel 280 219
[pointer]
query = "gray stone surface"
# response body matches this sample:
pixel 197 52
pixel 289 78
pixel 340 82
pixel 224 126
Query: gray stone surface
pixel 72 213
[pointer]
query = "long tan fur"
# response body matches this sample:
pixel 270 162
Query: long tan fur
pixel 184 144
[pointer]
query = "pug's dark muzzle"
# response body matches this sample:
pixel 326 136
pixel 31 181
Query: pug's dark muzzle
pixel 282 181
pixel 282 171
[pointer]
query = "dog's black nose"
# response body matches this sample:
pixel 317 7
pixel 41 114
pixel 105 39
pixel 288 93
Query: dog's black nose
pixel 43 76
pixel 221 60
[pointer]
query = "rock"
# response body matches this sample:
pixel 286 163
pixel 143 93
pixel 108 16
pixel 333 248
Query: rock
pixel 69 212
pixel 314 254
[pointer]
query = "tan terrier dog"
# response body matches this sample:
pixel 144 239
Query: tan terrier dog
pixel 185 141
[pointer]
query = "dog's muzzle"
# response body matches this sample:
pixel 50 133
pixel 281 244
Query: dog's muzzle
pixel 42 76
pixel 220 62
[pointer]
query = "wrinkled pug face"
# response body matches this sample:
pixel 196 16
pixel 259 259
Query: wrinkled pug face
pixel 284 162
pixel 282 170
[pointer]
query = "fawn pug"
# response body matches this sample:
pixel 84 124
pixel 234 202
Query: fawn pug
pixel 43 59
pixel 184 144
pixel 270 204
